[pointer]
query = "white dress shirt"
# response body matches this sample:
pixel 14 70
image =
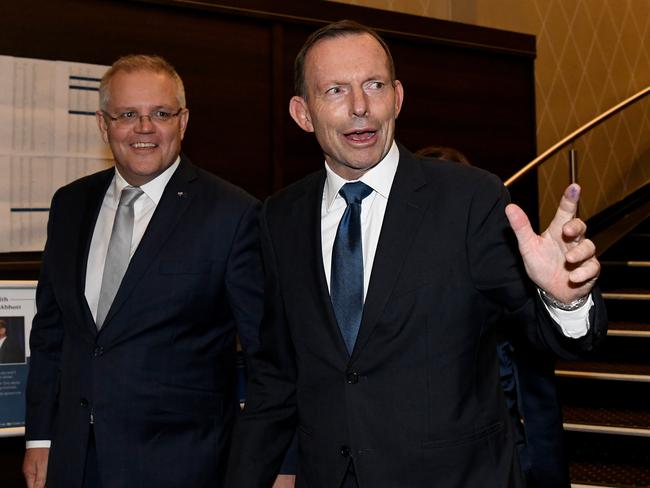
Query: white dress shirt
pixel 143 209
pixel 373 207
pixel 574 324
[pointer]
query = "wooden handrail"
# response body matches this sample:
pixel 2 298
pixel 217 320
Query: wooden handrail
pixel 577 133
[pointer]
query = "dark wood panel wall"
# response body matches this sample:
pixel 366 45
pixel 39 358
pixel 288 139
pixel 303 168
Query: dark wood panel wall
pixel 467 87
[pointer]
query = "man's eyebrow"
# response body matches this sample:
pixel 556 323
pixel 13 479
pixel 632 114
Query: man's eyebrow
pixel 333 82
pixel 135 109
pixel 378 77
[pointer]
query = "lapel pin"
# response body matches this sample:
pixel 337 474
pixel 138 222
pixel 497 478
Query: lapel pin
pixel 181 194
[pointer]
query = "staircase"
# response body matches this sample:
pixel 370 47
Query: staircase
pixel 606 399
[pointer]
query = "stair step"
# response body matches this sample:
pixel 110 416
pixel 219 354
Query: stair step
pixel 627 295
pixel 628 329
pixel 603 370
pixel 624 352
pixel 604 420
pixel 633 246
pixel 624 274
pixel 627 264
pixel 580 485
pixel 609 476
pixel 626 309
pixel 606 429
pixel 608 460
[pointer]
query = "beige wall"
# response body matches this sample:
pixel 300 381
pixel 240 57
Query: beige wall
pixel 591 54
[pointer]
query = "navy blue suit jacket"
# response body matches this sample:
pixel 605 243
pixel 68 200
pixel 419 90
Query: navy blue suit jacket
pixel 159 378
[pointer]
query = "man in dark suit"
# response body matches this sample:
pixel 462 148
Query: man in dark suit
pixel 386 276
pixel 528 380
pixel 10 348
pixel 132 370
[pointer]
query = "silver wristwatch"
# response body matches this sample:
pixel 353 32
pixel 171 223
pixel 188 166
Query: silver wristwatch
pixel 551 301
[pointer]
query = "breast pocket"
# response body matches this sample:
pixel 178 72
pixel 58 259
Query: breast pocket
pixel 181 267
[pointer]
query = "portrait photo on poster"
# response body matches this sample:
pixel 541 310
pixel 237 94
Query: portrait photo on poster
pixel 12 340
pixel 17 310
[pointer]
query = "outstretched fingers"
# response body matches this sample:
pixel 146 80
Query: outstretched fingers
pixel 581 251
pixel 586 273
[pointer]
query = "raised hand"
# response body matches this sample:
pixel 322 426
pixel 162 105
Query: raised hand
pixel 561 261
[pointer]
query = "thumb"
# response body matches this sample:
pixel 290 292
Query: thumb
pixel 520 224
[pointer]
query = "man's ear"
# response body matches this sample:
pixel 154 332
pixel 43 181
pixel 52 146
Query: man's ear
pixel 399 97
pixel 102 124
pixel 300 113
pixel 184 119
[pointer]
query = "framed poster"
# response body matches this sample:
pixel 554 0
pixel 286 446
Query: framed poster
pixel 17 310
pixel 48 138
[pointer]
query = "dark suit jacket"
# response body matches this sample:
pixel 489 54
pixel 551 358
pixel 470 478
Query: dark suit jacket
pixel 418 403
pixel 159 378
pixel 11 352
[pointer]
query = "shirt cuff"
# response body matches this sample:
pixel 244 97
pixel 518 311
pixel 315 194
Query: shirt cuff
pixel 35 444
pixel 574 323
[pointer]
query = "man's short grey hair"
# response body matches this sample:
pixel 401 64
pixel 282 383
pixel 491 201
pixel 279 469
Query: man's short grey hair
pixel 139 62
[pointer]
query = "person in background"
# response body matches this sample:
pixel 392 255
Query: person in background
pixel 443 152
pixel 150 270
pixel 528 381
pixel 386 277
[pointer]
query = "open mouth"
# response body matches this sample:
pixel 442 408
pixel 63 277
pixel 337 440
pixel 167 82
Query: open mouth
pixel 361 135
pixel 143 145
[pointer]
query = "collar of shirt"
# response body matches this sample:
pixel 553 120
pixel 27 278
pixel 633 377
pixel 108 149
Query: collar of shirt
pixel 2 341
pixel 380 178
pixel 153 189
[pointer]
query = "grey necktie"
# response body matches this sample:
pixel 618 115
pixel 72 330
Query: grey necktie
pixel 119 251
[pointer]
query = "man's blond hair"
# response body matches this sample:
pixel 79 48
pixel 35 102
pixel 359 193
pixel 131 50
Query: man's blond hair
pixel 139 62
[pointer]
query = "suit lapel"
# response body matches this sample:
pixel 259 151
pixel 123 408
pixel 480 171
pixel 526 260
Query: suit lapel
pixel 310 273
pixel 174 202
pixel 90 208
pixel 406 207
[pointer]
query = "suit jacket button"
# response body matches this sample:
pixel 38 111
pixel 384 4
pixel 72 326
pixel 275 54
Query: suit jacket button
pixel 352 378
pixel 345 451
pixel 84 403
pixel 99 350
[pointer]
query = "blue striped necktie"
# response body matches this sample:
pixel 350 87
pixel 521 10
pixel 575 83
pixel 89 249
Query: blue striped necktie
pixel 346 277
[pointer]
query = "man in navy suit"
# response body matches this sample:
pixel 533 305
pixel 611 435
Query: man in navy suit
pixel 136 387
pixel 528 381
pixel 387 275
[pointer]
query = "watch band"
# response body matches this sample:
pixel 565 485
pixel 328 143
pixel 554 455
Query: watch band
pixel 551 301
